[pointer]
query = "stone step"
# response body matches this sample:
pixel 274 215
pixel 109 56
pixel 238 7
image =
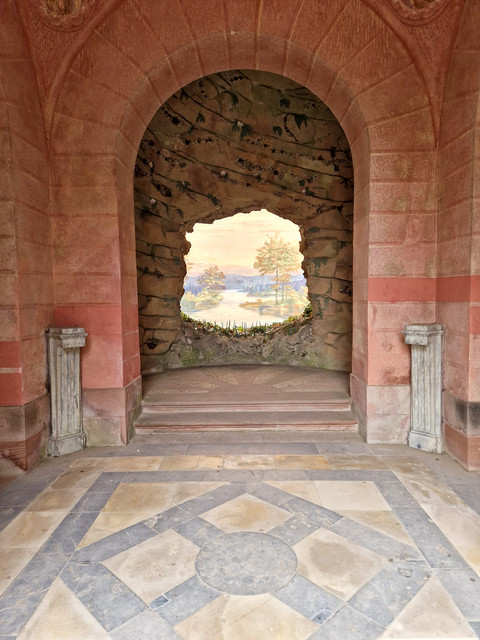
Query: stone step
pixel 256 420
pixel 226 401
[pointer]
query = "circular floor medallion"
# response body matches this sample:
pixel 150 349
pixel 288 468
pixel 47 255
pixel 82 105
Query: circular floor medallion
pixel 246 563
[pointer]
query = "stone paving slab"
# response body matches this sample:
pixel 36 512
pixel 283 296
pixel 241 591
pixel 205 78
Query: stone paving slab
pixel 368 611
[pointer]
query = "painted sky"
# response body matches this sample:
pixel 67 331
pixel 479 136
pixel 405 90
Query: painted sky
pixel 232 243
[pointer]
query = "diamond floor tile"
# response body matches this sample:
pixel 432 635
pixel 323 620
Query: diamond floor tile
pixel 178 548
pixel 246 513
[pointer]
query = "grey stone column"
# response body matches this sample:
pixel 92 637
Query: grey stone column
pixel 426 380
pixel 65 390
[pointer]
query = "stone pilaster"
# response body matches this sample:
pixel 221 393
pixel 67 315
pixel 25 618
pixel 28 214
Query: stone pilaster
pixel 67 433
pixel 426 382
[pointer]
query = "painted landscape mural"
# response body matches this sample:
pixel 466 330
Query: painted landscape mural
pixel 244 270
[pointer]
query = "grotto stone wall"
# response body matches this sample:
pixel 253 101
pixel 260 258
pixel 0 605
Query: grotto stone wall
pixel 234 142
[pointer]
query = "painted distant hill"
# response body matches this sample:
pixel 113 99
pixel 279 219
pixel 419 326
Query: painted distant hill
pixel 240 282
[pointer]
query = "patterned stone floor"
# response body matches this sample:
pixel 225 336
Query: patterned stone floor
pixel 192 538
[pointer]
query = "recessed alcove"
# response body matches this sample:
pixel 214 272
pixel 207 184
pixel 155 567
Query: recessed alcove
pixel 241 141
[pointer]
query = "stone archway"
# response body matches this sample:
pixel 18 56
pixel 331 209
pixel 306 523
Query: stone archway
pixel 374 87
pixel 238 141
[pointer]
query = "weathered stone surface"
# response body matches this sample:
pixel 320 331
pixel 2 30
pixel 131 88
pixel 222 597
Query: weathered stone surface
pixel 426 341
pixel 236 142
pixel 304 344
pixel 67 434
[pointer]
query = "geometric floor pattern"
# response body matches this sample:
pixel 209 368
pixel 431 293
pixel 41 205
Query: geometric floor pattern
pixel 263 541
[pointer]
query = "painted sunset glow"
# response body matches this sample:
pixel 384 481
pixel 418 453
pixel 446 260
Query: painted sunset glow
pixel 244 270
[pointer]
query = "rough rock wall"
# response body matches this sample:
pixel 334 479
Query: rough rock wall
pixel 236 142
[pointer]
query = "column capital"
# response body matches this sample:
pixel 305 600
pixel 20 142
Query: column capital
pixel 71 337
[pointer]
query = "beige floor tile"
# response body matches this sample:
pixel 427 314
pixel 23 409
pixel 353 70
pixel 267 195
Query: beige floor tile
pixel 431 614
pixel 78 478
pixel 336 564
pixel 156 565
pixel 246 513
pixel 260 617
pixel 461 525
pixel 351 495
pixel 61 616
pixel 12 562
pixel 91 463
pixel 30 529
pixel 384 521
pixel 457 521
pixel 180 463
pixel 132 503
pixel 134 463
pixel 56 500
pixel 338 462
pixel 210 462
pixel 107 523
pixel 301 462
pixel 249 462
pixel 155 497
pixel 302 489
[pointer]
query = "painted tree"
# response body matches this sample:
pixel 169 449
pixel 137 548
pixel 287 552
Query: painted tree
pixel 278 259
pixel 212 279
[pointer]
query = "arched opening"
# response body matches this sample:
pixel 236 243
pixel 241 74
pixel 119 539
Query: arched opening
pixel 244 273
pixel 236 142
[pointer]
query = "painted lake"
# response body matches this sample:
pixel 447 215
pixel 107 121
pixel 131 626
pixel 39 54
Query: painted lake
pixel 229 311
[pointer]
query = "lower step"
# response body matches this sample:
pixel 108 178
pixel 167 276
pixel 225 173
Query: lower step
pixel 248 402
pixel 260 420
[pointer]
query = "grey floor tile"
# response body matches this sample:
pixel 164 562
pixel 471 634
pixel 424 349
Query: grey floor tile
pixel 186 599
pixel 214 498
pixel 429 539
pixel 318 515
pixel 168 519
pixel 374 475
pixel 146 626
pixel 20 494
pixel 476 628
pixel 376 541
pixel 259 448
pixel 7 514
pixel 107 482
pixel 69 533
pixel 154 449
pixel 114 543
pixel 23 596
pixel 92 501
pixel 464 587
pixel 308 599
pixel 348 624
pixel 396 495
pixel 199 531
pixel 349 448
pixel 469 494
pixel 100 452
pixel 387 593
pixel 266 492
pixel 294 529
pixel 286 474
pixel 107 598
pixel 158 602
pixel 176 476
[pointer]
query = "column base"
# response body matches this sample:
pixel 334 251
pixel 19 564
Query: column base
pixel 61 445
pixel 426 442
pixel 24 432
pixel 109 414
